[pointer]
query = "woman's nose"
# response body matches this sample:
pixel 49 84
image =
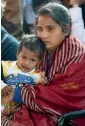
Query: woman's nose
pixel 44 34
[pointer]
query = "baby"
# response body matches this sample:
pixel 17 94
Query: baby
pixel 25 70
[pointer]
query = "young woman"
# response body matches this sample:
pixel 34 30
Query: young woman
pixel 64 66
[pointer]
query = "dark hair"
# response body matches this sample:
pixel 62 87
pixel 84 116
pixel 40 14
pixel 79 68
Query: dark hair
pixel 58 13
pixel 33 43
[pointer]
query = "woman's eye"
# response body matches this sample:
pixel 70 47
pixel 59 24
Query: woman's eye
pixel 33 60
pixel 39 29
pixel 50 29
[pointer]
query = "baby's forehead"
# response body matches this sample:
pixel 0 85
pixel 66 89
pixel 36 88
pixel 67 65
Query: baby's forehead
pixel 37 54
pixel 28 53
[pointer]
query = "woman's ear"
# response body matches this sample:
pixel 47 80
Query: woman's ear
pixel 67 29
pixel 38 64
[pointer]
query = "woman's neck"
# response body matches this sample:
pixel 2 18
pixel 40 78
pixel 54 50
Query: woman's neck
pixel 51 52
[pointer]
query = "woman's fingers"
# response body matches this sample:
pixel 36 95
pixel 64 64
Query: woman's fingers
pixel 43 79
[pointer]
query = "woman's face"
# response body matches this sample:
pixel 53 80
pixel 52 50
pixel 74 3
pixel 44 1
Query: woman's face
pixel 49 32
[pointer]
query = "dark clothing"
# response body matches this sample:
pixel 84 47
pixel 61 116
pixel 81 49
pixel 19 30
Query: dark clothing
pixel 9 46
pixel 14 29
pixel 38 3
pixel 83 12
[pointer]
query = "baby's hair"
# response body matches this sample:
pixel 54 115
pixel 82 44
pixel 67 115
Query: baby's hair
pixel 33 43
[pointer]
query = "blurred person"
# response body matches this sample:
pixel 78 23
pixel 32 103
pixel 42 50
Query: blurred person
pixel 29 17
pixel 82 5
pixel 12 19
pixel 77 12
pixel 9 44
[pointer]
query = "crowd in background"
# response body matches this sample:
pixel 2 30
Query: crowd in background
pixel 19 16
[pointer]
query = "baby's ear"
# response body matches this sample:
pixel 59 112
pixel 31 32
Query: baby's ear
pixel 17 54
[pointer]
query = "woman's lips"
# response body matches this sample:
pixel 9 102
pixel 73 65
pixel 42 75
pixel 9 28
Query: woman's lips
pixel 46 42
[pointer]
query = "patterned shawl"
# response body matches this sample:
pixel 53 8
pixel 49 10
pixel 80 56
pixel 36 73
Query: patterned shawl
pixel 69 52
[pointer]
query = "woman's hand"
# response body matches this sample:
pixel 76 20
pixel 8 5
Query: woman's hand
pixel 43 79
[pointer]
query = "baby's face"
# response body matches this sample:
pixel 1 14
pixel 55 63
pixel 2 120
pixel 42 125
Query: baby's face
pixel 27 60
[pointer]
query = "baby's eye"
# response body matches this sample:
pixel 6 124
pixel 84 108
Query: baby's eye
pixel 23 57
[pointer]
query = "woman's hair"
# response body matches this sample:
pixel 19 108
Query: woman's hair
pixel 33 43
pixel 58 13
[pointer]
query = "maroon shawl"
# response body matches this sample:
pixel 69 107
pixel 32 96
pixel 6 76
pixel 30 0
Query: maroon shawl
pixel 64 93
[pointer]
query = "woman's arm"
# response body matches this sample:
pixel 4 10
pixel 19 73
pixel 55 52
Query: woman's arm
pixel 65 93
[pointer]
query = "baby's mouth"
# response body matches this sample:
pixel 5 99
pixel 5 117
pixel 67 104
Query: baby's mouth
pixel 26 68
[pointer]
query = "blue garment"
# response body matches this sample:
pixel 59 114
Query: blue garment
pixel 19 79
pixel 17 95
pixel 27 2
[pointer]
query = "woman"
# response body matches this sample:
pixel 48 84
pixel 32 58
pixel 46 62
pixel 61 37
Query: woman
pixel 12 19
pixel 64 66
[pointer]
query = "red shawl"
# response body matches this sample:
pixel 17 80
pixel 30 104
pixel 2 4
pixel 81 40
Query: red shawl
pixel 64 93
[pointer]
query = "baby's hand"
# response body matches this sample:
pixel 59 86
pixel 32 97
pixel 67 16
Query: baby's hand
pixel 6 90
pixel 43 79
pixel 4 111
pixel 7 94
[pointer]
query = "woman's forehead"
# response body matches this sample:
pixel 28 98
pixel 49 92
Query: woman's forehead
pixel 45 20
